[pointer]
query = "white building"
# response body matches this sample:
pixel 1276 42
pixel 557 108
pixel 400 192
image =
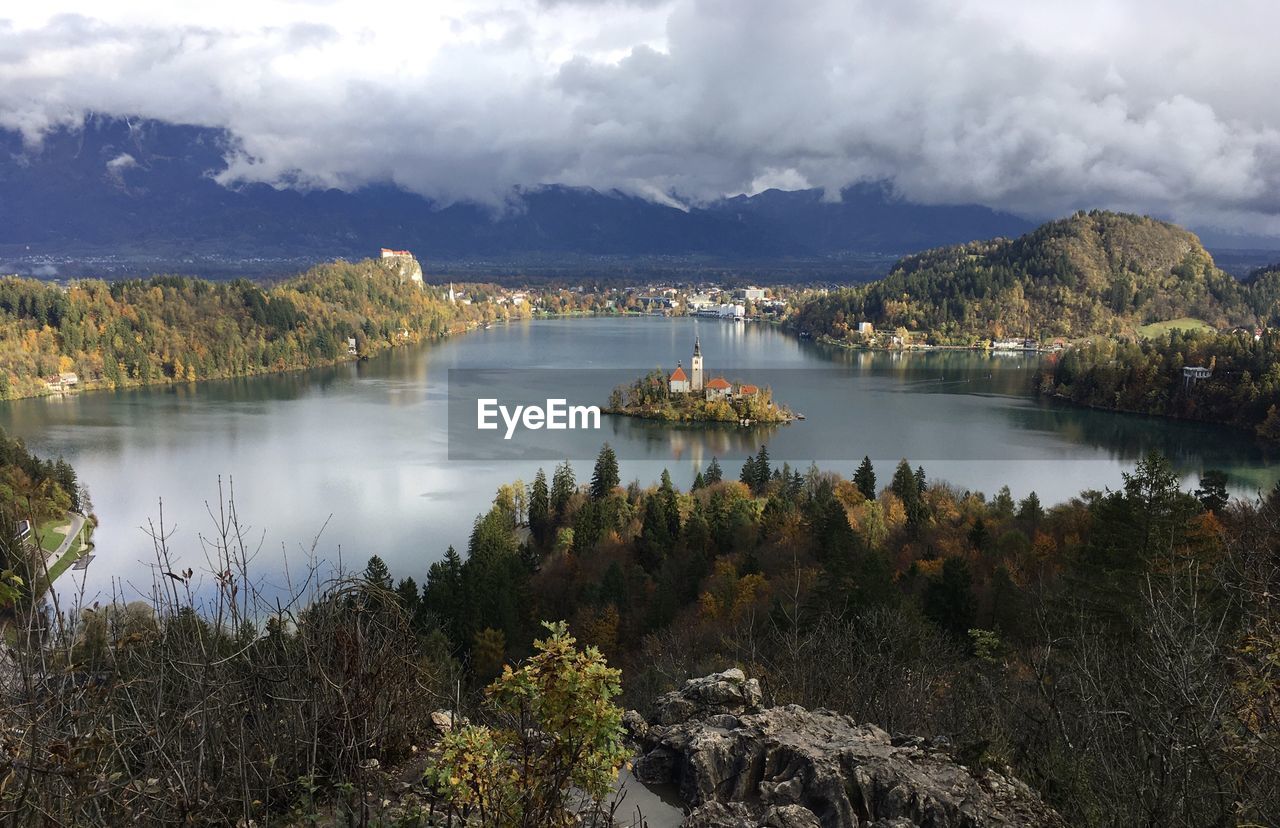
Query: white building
pixel 695 366
pixel 679 382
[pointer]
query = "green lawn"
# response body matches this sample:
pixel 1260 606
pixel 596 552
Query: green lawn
pixel 52 533
pixel 79 547
pixel 1186 323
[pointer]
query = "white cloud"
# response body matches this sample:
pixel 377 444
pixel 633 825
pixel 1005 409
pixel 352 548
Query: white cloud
pixel 1036 107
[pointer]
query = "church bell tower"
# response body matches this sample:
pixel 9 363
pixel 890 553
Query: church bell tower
pixel 695 366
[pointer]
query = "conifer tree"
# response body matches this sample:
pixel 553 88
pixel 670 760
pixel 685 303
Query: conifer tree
pixel 563 485
pixel 714 473
pixel 605 478
pixel 539 507
pixel 865 479
pixel 376 573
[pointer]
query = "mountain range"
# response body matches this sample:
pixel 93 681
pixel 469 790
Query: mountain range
pixel 145 190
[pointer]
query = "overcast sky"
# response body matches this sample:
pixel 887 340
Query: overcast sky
pixel 1170 107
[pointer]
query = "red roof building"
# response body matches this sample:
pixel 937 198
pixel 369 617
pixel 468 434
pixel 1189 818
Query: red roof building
pixel 719 384
pixel 679 375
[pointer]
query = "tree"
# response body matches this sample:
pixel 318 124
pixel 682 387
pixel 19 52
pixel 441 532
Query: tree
pixel 1212 492
pixel 904 482
pixel 949 601
pixel 979 535
pixel 763 470
pixel 376 573
pixel 605 478
pixel 407 595
pixel 714 473
pixel 565 734
pixel 1002 507
pixel 865 479
pixel 655 540
pixel 1030 510
pixel 539 508
pixel 907 485
pixel 670 504
pixel 563 487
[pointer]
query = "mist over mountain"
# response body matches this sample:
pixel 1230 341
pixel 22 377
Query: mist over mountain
pixel 141 191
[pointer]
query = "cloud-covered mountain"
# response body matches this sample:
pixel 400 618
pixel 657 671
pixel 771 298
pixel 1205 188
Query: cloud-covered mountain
pixel 1149 106
pixel 123 187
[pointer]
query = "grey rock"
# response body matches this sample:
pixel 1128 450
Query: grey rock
pixel 730 692
pixel 738 765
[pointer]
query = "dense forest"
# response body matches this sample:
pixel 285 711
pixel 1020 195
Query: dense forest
pixel 1146 377
pixel 173 328
pixel 1092 273
pixel 1119 651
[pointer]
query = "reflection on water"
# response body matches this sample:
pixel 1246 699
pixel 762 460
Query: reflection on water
pixel 366 446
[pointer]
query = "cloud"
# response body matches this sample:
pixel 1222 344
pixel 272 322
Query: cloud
pixel 1040 108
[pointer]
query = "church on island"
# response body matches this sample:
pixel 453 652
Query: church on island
pixel 715 389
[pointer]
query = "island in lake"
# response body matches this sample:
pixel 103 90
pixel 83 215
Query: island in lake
pixel 684 398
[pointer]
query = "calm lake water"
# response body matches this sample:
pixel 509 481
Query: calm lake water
pixel 362 451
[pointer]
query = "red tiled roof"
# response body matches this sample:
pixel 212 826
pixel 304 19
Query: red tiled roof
pixel 678 375
pixel 748 390
pixel 719 384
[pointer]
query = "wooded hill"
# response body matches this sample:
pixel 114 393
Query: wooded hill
pixel 176 328
pixel 1093 273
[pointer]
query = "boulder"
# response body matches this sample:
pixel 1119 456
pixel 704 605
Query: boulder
pixel 787 767
pixel 728 692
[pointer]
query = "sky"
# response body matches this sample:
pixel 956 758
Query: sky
pixel 1166 107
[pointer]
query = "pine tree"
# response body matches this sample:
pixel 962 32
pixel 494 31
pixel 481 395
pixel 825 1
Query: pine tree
pixel 605 478
pixel 563 485
pixel 1212 492
pixel 1029 509
pixel 407 594
pixel 763 471
pixel 714 473
pixel 904 482
pixel 921 484
pixel 376 573
pixel 670 504
pixel 539 507
pixel 865 479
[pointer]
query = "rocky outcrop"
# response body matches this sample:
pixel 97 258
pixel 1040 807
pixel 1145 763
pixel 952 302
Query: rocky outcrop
pixel 787 767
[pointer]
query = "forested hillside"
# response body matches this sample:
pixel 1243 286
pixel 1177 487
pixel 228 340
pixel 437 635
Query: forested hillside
pixel 1103 647
pixel 1092 273
pixel 1146 377
pixel 173 328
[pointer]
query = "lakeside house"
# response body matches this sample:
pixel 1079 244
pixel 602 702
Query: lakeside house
pixel 62 382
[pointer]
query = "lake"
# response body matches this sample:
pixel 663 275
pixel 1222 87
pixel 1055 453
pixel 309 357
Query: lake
pixel 360 455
